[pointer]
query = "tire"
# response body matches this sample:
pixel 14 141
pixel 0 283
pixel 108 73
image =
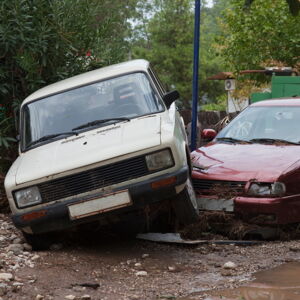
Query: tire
pixel 185 205
pixel 39 241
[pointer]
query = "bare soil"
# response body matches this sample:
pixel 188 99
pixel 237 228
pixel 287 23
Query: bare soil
pixel 107 266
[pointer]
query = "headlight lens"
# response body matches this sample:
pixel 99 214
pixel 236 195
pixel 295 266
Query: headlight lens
pixel 27 197
pixel 267 189
pixel 159 160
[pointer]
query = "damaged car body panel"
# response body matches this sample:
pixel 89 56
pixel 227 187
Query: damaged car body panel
pixel 252 166
pixel 101 145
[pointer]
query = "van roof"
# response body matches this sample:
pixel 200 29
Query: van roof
pixel 89 77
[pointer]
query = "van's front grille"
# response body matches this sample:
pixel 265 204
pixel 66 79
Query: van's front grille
pixel 214 187
pixel 93 179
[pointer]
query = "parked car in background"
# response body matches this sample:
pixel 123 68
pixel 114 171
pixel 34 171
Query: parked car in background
pixel 252 167
pixel 107 146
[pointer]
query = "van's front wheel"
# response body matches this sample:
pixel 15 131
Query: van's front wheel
pixel 185 205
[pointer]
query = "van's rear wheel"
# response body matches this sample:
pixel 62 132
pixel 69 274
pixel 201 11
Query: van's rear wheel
pixel 185 205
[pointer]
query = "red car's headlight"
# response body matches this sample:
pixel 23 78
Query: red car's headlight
pixel 267 189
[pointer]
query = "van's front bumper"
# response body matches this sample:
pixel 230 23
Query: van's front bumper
pixel 55 216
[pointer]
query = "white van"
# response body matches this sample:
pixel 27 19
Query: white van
pixel 106 145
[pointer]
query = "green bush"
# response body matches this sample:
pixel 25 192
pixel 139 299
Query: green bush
pixel 43 41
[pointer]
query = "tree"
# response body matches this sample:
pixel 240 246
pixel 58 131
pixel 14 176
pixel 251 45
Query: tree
pixel 294 5
pixel 43 41
pixel 266 35
pixel 165 37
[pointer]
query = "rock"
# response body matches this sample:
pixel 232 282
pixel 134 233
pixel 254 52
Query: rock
pixel 18 284
pixel 79 288
pixel 138 265
pixel 39 297
pixel 141 273
pixel 86 297
pixel 17 241
pixel 70 297
pixel 32 281
pixel 289 259
pixel 35 257
pixel 229 265
pixel 27 247
pixel 167 297
pixel 3 289
pixel 145 255
pixel 6 276
pixel 13 236
pixel 295 248
pixel 217 265
pixel 172 269
pixel 15 248
pixel 227 272
pixel 10 253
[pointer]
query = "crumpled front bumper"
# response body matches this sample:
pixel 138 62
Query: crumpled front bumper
pixel 282 210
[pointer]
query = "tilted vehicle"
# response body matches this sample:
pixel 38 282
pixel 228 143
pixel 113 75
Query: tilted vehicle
pixel 252 167
pixel 105 145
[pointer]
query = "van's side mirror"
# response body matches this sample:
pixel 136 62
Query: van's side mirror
pixel 170 97
pixel 208 134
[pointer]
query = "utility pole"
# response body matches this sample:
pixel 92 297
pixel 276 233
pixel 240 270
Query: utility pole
pixel 195 75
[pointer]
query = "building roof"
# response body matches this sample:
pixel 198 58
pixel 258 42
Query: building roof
pixel 268 71
pixel 221 76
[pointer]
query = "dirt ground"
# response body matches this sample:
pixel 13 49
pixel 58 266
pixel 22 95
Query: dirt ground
pixel 104 266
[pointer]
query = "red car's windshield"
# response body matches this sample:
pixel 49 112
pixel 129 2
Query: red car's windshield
pixel 263 123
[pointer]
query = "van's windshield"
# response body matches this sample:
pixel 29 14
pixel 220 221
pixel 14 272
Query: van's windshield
pixel 119 98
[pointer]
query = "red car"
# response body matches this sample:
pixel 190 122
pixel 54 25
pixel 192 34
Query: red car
pixel 252 167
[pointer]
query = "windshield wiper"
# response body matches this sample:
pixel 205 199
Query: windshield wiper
pixel 49 137
pixel 271 141
pixel 96 122
pixel 233 140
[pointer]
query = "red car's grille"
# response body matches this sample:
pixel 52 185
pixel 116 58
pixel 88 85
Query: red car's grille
pixel 213 187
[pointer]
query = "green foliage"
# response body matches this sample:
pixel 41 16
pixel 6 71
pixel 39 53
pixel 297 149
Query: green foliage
pixel 294 6
pixel 265 35
pixel 43 41
pixel 165 37
pixel 5 140
pixel 219 105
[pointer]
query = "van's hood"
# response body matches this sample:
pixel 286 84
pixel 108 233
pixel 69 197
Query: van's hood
pixel 242 162
pixel 89 147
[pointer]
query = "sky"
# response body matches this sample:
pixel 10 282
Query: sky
pixel 209 3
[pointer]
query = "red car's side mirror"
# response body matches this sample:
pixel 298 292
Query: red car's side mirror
pixel 208 134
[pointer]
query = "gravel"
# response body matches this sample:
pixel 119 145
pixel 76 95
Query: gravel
pixel 116 269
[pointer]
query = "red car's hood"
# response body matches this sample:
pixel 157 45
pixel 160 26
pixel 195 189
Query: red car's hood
pixel 243 162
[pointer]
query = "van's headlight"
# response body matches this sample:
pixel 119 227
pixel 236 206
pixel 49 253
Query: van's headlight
pixel 267 189
pixel 27 197
pixel 159 160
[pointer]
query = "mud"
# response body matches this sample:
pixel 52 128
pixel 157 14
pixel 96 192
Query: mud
pixel 107 266
pixel 280 283
pixel 172 271
pixel 217 224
